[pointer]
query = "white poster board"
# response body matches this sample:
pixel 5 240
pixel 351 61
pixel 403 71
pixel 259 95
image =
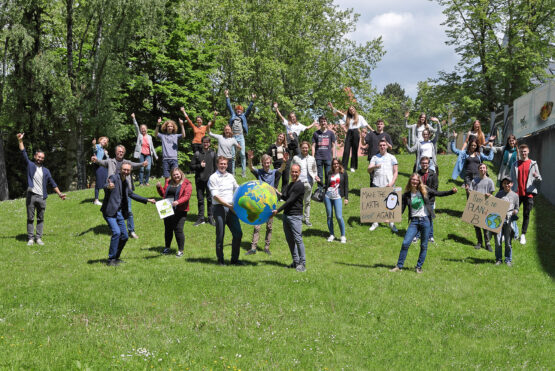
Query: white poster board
pixel 380 204
pixel 164 208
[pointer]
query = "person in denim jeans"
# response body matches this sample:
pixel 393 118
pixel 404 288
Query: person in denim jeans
pixel 337 189
pixel 144 151
pixel 416 197
pixel 323 147
pixel 239 127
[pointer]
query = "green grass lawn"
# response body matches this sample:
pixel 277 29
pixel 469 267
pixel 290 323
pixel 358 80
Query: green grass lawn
pixel 62 308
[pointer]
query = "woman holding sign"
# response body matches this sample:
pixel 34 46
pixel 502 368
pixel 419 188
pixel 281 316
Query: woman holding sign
pixel 177 191
pixel 416 197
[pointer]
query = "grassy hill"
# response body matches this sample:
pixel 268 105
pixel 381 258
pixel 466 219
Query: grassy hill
pixel 62 308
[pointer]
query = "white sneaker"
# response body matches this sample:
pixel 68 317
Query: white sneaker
pixel 96 202
pixel 30 243
pixel 352 170
pixel 39 241
pixel 431 240
pixel 414 240
pixel 373 226
pixel 343 239
pixel 331 238
pixel 393 227
pixel 522 239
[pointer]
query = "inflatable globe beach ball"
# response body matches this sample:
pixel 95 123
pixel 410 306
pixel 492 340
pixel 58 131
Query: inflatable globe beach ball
pixel 254 202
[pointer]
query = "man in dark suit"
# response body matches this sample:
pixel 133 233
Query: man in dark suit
pixel 204 165
pixel 115 210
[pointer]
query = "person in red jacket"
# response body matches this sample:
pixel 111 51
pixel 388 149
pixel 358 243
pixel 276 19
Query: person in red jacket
pixel 178 191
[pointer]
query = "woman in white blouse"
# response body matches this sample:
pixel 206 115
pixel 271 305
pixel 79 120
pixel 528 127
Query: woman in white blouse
pixel 293 128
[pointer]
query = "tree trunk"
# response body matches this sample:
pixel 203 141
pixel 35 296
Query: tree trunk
pixel 4 192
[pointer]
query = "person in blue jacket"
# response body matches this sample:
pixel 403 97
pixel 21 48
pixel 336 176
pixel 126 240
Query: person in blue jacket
pixel 239 128
pixel 37 178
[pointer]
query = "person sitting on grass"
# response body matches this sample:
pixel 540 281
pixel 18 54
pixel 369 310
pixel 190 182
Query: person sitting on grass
pixel 507 232
pixel 169 138
pixel 269 176
pixel 482 184
pixel 416 197
pixel 115 210
pixel 37 178
pixel 178 191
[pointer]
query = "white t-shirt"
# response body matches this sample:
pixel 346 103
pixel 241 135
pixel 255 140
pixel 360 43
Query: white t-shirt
pixel 333 190
pixel 417 205
pixel 37 181
pixel 419 130
pixel 294 128
pixel 359 125
pixel 384 174
pixel 426 149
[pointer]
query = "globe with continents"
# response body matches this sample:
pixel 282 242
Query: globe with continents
pixel 493 220
pixel 254 202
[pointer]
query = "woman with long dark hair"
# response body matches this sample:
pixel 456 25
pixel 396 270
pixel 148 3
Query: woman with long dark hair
pixel 469 160
pixel 510 157
pixel 337 189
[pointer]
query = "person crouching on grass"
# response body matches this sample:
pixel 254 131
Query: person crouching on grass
pixel 507 232
pixel 178 192
pixel 421 212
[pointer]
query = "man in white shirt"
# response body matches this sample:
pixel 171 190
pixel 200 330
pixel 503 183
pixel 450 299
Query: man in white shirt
pixel 384 170
pixel 222 185
pixel 307 176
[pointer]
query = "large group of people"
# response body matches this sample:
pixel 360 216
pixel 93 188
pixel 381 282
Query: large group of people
pixel 298 170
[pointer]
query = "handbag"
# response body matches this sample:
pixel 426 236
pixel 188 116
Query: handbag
pixel 318 194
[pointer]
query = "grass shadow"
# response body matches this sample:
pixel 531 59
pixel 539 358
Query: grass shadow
pixel 472 260
pixel 457 182
pixel 316 232
pixel 455 213
pixel 354 191
pixel 353 220
pixel 19 237
pixel 275 263
pixel 98 229
pixel 87 201
pixel 459 239
pixel 405 174
pixel 545 235
pixel 97 261
pixel 377 265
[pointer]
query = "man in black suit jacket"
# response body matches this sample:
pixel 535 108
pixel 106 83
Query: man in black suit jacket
pixel 204 165
pixel 115 210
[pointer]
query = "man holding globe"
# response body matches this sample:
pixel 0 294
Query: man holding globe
pixel 222 185
pixel 265 175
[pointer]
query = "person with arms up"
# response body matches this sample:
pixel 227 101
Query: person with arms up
pixel 293 129
pixel 468 161
pixel 199 129
pixel 268 176
pixel 482 184
pixel 114 166
pixel 507 232
pixel 115 210
pixel 417 129
pixel 526 178
pixel 144 151
pixel 37 178
pixel 308 175
pixel 204 165
pixel 226 144
pixel 416 197
pixel 239 128
pixel 426 148
pixel 383 169
pixel 100 172
pixel 323 147
pixel 222 185
pixel 353 122
pixel 169 138
pixel 178 192
pixel 292 222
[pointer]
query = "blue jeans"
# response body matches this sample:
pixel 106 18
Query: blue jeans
pixel 416 224
pixel 506 233
pixel 241 140
pixel 431 225
pixel 130 220
pixel 336 204
pixel 145 170
pixel 119 235
pixel 320 166
pixel 292 227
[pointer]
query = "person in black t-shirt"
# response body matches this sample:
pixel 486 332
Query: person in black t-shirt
pixel 204 165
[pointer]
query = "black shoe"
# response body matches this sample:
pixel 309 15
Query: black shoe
pixel 166 251
pixel 267 251
pixel 198 222
pixel 237 262
pixel 488 248
pixel 251 252
pixel 478 246
pixel 112 263
pixel 221 262
pixel 292 265
pixel 120 261
pixel 211 221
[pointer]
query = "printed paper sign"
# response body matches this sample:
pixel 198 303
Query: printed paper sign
pixel 380 205
pixel 485 212
pixel 164 208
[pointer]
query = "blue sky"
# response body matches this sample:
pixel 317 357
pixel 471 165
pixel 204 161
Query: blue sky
pixel 413 38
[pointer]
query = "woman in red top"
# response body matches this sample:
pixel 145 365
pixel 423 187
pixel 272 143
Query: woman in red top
pixel 177 190
pixel 199 129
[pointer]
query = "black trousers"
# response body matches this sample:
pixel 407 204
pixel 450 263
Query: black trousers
pixel 223 216
pixel 284 176
pixel 174 225
pixel 202 191
pixel 352 140
pixel 528 205
pixel 482 241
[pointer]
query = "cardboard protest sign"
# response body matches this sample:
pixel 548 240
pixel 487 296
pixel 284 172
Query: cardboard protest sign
pixel 164 208
pixel 485 212
pixel 380 204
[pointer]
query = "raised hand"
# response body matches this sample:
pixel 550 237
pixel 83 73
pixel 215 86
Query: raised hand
pixel 226 92
pixel 253 96
pixel 275 105
pixel 94 141
pixel 20 136
pixel 159 121
pixel 250 154
pixel 182 109
pixel 455 134
pixel 407 114
pixel 180 122
pixel 133 115
pixel 434 119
